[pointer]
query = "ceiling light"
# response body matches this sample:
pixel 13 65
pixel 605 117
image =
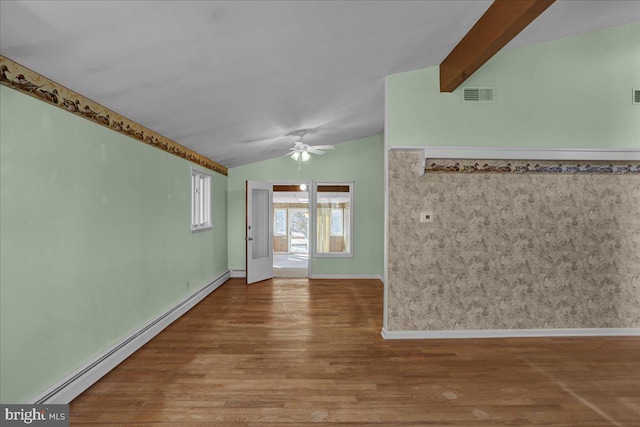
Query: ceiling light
pixel 295 156
pixel 303 187
pixel 305 156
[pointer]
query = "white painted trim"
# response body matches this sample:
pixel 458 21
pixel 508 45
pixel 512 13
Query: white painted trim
pixel 242 273
pixel 312 223
pixel 346 276
pixel 509 333
pixel 65 390
pixel 205 228
pixel 385 267
pixel 237 273
pixel 422 164
pixel 520 153
pixel 195 171
pixel 333 255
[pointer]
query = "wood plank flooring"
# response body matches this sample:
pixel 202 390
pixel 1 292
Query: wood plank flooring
pixel 297 352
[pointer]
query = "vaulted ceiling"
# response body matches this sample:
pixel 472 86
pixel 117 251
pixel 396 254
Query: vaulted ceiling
pixel 231 79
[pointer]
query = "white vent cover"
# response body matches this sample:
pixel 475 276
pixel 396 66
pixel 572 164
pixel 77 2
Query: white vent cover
pixel 478 94
pixel 636 96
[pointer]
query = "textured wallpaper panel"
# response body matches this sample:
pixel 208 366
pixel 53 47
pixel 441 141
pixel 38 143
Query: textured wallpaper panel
pixel 512 251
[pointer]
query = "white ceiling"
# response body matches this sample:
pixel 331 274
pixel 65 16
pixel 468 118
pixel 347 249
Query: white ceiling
pixel 230 79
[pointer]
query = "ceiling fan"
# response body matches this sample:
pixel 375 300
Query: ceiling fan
pixel 301 152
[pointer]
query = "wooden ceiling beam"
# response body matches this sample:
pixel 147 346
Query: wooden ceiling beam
pixel 498 26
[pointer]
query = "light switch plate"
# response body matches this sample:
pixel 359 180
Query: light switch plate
pixel 426 216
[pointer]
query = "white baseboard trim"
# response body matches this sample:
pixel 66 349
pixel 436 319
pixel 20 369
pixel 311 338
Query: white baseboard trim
pixel 65 390
pixel 510 333
pixel 345 276
pixel 515 153
pixel 238 273
pixel 243 273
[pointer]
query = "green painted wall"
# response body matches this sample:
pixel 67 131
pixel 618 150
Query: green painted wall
pixel 95 241
pixel 569 93
pixel 360 161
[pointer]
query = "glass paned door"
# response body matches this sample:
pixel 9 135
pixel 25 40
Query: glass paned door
pixel 259 259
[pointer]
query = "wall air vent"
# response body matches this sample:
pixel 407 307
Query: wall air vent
pixel 478 94
pixel 636 96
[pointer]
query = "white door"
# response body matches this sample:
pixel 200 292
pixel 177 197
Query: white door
pixel 259 231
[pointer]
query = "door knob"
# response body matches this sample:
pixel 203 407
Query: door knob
pixel 249 238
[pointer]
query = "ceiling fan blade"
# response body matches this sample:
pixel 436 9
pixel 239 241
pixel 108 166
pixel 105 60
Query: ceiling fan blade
pixel 314 151
pixel 324 147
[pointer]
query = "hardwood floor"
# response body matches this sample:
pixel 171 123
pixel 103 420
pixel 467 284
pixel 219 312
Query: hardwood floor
pixel 296 352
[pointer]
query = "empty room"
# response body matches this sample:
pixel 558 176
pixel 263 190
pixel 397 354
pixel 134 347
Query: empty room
pixel 292 213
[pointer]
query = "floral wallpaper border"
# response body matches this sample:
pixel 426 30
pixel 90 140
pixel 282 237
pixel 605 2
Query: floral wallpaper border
pixel 525 167
pixel 22 79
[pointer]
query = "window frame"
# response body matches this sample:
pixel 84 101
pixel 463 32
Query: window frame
pixel 200 201
pixel 350 217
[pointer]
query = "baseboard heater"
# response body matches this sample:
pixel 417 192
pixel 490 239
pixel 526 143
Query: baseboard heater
pixel 78 381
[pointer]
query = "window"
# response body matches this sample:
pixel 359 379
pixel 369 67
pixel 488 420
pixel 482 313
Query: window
pixel 280 222
pixel 336 222
pixel 334 219
pixel 200 200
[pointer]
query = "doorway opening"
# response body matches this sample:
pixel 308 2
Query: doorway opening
pixel 291 230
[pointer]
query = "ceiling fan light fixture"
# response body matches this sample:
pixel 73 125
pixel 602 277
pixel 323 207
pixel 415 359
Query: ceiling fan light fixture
pixel 301 152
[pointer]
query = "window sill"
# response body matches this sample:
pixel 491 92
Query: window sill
pixel 197 230
pixel 334 255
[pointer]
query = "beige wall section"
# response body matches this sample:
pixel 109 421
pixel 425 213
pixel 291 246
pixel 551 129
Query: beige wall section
pixel 512 251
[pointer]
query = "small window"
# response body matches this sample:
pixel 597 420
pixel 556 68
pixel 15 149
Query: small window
pixel 336 225
pixel 280 222
pixel 334 219
pixel 200 200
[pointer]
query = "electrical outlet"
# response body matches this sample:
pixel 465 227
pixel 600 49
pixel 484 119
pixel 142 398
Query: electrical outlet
pixel 426 216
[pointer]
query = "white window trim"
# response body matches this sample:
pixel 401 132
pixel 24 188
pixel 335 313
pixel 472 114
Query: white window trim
pixel 314 198
pixel 203 199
